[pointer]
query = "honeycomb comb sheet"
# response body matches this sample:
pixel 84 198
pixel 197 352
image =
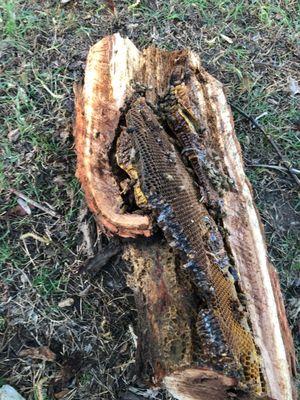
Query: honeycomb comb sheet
pixel 188 226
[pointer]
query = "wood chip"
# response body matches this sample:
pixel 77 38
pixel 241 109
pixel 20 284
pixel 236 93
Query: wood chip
pixel 226 38
pixel 22 203
pixel 66 302
pixel 293 86
pixel 39 353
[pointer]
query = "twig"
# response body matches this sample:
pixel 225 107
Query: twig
pixel 35 204
pixel 54 95
pixel 84 227
pixel 287 164
pixel 260 116
pixel 277 167
pixel 133 335
pixel 42 239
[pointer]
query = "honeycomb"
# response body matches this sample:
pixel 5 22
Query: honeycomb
pixel 188 227
pixel 179 113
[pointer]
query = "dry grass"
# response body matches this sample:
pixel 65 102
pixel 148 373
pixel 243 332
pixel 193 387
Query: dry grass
pixel 43 51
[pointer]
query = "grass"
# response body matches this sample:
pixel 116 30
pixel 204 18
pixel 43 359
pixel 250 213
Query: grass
pixel 44 47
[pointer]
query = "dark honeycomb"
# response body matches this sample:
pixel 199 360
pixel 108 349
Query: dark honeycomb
pixel 188 226
pixel 178 111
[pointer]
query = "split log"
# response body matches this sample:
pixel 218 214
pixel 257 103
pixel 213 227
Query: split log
pixel 122 85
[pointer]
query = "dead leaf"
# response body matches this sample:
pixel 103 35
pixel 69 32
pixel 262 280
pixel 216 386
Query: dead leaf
pixel 59 181
pixel 62 394
pixel 16 211
pixel 60 385
pixel 4 290
pixel 30 155
pixel 110 4
pixel 226 38
pixel 64 135
pixel 13 135
pixel 246 84
pixel 66 302
pixel 296 125
pixel 39 353
pixel 211 41
pixel 293 86
pixel 65 1
pixel 124 348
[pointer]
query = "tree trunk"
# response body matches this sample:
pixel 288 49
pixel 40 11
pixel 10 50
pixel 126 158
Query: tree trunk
pixel 177 349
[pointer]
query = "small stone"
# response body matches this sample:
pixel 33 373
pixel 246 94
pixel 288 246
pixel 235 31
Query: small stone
pixel 7 392
pixel 13 135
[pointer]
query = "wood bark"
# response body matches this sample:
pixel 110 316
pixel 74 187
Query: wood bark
pixel 165 300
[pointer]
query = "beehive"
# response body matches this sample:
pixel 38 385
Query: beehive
pixel 226 337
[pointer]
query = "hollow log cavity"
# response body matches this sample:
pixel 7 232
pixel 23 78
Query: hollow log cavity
pixel 160 165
